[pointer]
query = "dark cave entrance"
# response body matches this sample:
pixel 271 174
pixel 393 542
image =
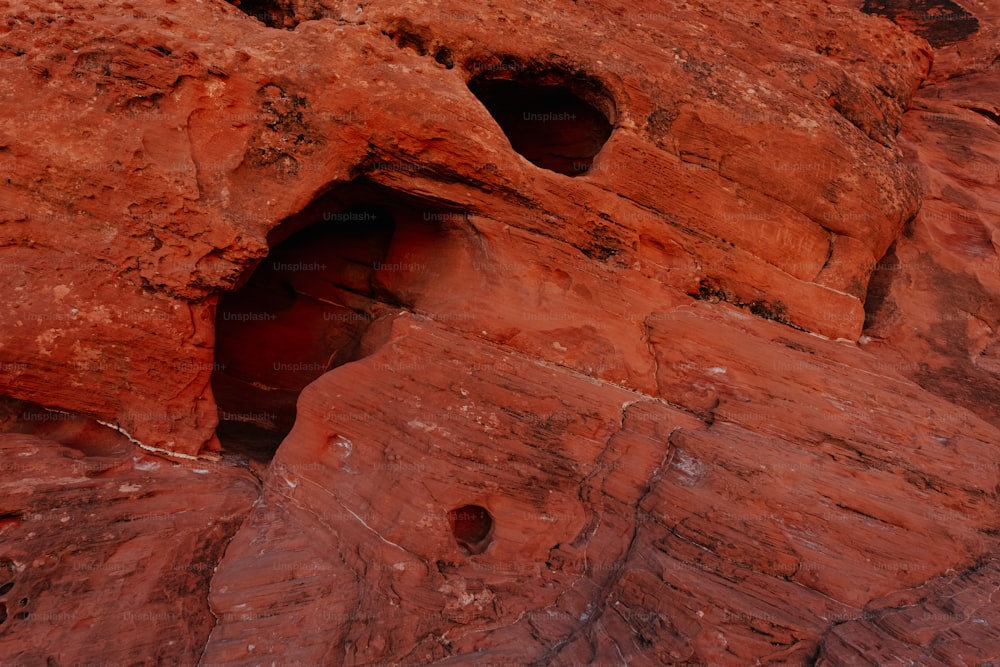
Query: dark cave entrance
pixel 940 22
pixel 556 121
pixel 272 13
pixel 306 307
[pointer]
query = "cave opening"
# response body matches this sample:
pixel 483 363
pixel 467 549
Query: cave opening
pixel 305 308
pixel 472 526
pixel 940 22
pixel 556 121
pixel 272 13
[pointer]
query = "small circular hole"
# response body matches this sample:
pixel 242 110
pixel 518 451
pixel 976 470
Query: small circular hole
pixel 6 587
pixel 472 527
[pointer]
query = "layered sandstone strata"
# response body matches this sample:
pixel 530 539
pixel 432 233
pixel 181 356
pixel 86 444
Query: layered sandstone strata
pixel 570 334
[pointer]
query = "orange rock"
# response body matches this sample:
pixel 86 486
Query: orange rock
pixel 107 554
pixel 205 132
pixel 578 334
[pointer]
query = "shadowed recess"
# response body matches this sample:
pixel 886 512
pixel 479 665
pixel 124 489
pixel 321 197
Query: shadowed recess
pixel 472 527
pixel 72 430
pixel 878 304
pixel 940 22
pixel 272 13
pixel 307 306
pixel 548 121
pixel 302 312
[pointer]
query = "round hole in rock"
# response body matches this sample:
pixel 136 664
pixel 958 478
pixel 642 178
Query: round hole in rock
pixel 556 122
pixel 472 527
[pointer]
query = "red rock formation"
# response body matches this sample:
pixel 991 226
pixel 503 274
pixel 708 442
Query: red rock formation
pixel 933 315
pixel 947 620
pixel 936 311
pixel 619 336
pixel 183 138
pixel 710 523
pixel 107 552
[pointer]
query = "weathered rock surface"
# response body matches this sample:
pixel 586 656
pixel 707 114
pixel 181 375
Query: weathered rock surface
pixel 626 529
pixel 933 315
pixel 947 622
pixel 173 141
pixel 107 555
pixel 935 308
pixel 590 334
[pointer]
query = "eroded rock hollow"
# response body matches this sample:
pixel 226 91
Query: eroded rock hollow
pixel 578 333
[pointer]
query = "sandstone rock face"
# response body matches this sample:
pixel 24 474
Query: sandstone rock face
pixel 951 619
pixel 933 316
pixel 569 334
pixel 179 145
pixel 935 310
pixel 625 528
pixel 107 553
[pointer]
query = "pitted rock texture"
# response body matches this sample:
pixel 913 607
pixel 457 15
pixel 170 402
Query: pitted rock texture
pixel 174 143
pixel 681 355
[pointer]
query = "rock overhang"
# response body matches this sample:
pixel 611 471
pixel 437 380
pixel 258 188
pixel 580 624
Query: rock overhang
pixel 695 192
pixel 802 479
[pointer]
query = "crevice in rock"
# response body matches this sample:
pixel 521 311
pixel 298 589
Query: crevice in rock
pixel 831 240
pixel 556 120
pixel 603 595
pixel 777 311
pixel 306 307
pixel 940 22
pixel 646 338
pixel 76 431
pixel 878 305
pixel 866 515
pixel 211 579
pixel 869 125
pixel 991 114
